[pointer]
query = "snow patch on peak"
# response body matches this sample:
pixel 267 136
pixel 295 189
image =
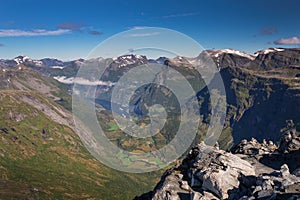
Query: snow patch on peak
pixel 130 56
pixel 267 51
pixel 139 56
pixel 130 59
pixel 21 59
pixel 217 53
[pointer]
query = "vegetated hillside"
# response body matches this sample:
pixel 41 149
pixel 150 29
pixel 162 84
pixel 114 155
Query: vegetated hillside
pixel 41 157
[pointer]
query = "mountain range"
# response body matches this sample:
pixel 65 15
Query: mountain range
pixel 43 158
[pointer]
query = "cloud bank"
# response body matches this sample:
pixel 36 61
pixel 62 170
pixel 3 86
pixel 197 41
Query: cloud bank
pixel 288 41
pixel 80 27
pixel 82 81
pixel 36 32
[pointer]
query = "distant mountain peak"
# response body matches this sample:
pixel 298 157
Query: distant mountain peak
pixel 267 51
pixel 130 56
pixel 27 60
pixel 129 59
pixel 21 59
pixel 217 53
pixel 49 62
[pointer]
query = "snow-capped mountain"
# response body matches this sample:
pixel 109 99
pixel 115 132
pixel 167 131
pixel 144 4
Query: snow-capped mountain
pixel 26 59
pixel 277 58
pixel 218 53
pixel 222 58
pixel 131 59
pixel 42 63
pixel 21 59
pixel 267 51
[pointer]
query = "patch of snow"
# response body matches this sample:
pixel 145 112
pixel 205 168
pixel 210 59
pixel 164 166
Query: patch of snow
pixel 138 56
pixel 18 61
pixel 23 59
pixel 217 53
pixel 38 62
pixel 267 51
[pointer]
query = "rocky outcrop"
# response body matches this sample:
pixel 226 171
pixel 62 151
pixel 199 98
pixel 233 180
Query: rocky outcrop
pixel 210 173
pixel 253 147
pixel 206 173
pixel 289 140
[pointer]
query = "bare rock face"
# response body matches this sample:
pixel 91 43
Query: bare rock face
pixel 210 173
pixel 221 172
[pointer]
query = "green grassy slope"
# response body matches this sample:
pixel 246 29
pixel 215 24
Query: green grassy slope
pixel 41 157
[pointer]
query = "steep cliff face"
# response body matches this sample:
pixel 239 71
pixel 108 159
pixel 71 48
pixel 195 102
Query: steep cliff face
pixel 262 98
pixel 258 104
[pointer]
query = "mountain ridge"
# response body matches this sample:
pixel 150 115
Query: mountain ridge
pixel 48 62
pixel 261 96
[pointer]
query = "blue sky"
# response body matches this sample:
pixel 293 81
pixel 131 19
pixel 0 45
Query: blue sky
pixel 71 29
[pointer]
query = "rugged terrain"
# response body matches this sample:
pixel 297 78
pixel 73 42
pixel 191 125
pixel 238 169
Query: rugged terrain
pixel 42 157
pixel 252 171
pixel 262 90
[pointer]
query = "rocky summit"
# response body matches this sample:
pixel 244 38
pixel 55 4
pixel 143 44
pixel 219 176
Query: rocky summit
pixel 252 170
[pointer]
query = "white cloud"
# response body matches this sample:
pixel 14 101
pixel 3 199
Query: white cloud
pixel 82 81
pixel 143 34
pixel 290 41
pixel 36 32
pixel 139 27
